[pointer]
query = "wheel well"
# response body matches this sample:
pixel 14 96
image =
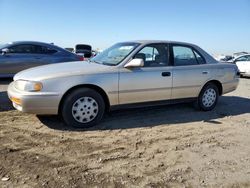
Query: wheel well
pixel 218 84
pixel 90 86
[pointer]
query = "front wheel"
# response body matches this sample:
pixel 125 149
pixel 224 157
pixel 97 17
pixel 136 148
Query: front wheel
pixel 208 97
pixel 83 108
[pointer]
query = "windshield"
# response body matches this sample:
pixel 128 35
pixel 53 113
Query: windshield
pixel 115 54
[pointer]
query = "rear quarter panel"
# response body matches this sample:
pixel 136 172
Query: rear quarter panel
pixel 226 74
pixel 188 81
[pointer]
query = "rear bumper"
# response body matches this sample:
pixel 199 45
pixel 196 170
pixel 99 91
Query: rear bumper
pixel 230 86
pixel 34 102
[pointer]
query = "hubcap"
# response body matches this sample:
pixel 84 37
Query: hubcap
pixel 85 109
pixel 209 97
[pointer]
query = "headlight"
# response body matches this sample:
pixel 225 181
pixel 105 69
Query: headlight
pixel 28 85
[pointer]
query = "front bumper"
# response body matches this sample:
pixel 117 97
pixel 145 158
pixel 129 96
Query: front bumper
pixel 45 103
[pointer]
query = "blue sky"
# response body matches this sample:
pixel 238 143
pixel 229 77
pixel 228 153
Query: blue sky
pixel 218 26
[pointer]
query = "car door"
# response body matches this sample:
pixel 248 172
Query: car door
pixel 152 82
pixel 47 55
pixel 190 71
pixel 19 57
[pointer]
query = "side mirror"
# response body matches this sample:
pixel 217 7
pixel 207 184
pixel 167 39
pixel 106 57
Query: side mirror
pixel 5 51
pixel 135 63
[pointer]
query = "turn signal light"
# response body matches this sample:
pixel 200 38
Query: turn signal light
pixel 81 58
pixel 16 100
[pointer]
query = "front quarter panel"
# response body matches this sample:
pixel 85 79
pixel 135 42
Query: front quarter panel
pixel 106 81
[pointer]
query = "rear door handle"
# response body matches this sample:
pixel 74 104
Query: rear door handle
pixel 164 74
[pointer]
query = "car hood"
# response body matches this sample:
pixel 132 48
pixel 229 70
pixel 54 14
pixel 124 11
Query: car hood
pixel 62 70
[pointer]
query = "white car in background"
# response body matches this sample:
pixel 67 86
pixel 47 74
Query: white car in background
pixel 243 64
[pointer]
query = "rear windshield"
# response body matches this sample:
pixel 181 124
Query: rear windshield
pixel 83 47
pixel 3 46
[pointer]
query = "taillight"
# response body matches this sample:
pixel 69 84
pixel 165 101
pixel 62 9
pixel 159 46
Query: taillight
pixel 237 72
pixel 81 58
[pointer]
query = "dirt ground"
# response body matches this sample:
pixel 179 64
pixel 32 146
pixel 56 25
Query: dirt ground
pixel 167 146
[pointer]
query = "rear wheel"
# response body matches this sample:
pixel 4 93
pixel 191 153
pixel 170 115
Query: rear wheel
pixel 208 97
pixel 83 108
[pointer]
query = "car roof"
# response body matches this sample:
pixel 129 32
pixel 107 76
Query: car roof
pixel 161 41
pixel 29 42
pixel 38 43
pixel 236 57
pixel 207 56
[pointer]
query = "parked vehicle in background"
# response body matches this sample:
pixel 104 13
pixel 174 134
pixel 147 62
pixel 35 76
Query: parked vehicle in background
pixel 18 56
pixel 243 64
pixel 83 50
pixel 128 74
pixel 225 58
pixel 94 53
pixel 237 54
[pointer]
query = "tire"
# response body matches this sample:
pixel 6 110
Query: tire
pixel 208 97
pixel 83 108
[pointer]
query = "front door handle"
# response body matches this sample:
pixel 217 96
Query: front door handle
pixel 164 74
pixel 205 72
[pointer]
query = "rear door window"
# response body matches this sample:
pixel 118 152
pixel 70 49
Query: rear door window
pixel 199 58
pixel 31 49
pixel 184 56
pixel 44 50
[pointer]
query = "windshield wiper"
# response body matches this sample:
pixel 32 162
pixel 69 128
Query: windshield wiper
pixel 94 61
pixel 109 64
pixel 102 63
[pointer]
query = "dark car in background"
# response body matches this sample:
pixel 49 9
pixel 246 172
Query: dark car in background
pixel 83 50
pixel 18 56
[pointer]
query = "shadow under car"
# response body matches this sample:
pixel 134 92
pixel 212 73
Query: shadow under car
pixel 159 115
